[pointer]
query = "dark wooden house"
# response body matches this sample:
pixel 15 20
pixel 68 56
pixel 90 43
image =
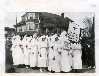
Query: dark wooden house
pixel 42 23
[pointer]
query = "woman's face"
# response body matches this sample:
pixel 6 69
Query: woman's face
pixel 43 39
pixel 35 36
pixel 56 39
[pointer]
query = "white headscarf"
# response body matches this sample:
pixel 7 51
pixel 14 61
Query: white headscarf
pixel 18 37
pixel 63 33
pixel 63 37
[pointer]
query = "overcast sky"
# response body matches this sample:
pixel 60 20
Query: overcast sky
pixel 77 17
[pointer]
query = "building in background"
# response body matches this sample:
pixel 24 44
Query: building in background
pixel 42 23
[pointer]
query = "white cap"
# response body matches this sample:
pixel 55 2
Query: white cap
pixel 35 35
pixel 43 36
pixel 18 37
pixel 63 33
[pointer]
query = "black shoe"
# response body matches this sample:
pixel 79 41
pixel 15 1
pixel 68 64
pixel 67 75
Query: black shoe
pixel 33 68
pixel 52 71
pixel 63 72
pixel 76 71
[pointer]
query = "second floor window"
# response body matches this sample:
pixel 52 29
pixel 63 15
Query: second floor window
pixel 36 16
pixel 27 16
pixel 31 16
pixel 23 18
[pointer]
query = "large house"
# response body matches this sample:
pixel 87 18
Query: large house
pixel 42 23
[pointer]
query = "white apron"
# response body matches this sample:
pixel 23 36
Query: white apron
pixel 56 62
pixel 51 55
pixel 42 56
pixel 27 50
pixel 18 55
pixel 77 59
pixel 65 59
pixel 17 52
pixel 12 49
pixel 34 54
pixel 71 59
pixel 27 56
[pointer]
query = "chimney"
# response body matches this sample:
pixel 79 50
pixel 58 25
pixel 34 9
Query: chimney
pixel 62 15
pixel 16 20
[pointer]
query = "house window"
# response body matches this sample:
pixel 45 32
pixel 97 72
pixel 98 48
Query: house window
pixel 36 26
pixel 27 26
pixel 23 18
pixel 31 26
pixel 23 28
pixel 27 16
pixel 31 16
pixel 36 16
pixel 20 29
pixel 17 29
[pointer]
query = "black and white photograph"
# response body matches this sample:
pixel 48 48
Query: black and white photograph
pixel 50 42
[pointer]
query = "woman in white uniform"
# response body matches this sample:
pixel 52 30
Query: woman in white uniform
pixel 42 56
pixel 22 53
pixel 77 57
pixel 17 51
pixel 71 54
pixel 51 55
pixel 23 43
pixel 65 54
pixel 12 48
pixel 34 52
pixel 47 41
pixel 57 56
pixel 26 52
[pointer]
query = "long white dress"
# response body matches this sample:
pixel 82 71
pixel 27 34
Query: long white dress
pixel 56 62
pixel 70 55
pixel 24 43
pixel 65 59
pixel 42 56
pixel 51 56
pixel 22 53
pixel 17 53
pixel 26 53
pixel 34 53
pixel 12 49
pixel 77 57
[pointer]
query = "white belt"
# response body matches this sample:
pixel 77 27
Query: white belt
pixel 43 47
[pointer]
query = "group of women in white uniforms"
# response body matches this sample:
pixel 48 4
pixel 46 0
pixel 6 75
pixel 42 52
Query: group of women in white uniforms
pixel 52 52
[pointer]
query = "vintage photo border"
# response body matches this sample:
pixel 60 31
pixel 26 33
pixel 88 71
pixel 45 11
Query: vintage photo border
pixel 48 6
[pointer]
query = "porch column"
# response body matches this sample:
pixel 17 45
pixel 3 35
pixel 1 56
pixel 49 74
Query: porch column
pixel 46 29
